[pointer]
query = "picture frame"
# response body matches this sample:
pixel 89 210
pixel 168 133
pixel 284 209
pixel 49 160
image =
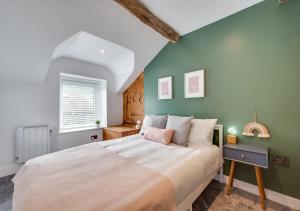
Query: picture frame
pixel 194 84
pixel 165 88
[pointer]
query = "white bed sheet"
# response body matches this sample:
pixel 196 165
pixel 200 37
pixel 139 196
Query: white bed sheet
pixel 186 167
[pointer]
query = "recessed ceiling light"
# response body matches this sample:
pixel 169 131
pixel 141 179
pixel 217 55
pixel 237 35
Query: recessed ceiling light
pixel 102 51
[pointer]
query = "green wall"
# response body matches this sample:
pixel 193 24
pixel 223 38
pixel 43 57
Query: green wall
pixel 252 62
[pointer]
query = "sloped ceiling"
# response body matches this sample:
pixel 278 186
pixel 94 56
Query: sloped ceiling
pixel 86 47
pixel 187 16
pixel 32 29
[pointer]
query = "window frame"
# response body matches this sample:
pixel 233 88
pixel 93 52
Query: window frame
pixel 101 100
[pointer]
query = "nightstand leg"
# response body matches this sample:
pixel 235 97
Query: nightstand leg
pixel 230 180
pixel 260 186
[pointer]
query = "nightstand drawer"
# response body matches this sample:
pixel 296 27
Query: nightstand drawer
pixel 252 158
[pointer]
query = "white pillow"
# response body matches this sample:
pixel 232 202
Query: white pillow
pixel 202 131
pixel 147 122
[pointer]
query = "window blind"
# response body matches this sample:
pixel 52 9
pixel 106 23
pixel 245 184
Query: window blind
pixel 78 104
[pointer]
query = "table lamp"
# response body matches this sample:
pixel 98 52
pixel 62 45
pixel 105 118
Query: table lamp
pixel 232 138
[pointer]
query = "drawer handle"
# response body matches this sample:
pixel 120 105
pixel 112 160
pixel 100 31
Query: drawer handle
pixel 243 156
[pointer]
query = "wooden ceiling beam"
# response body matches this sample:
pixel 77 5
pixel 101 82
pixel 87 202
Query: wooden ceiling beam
pixel 139 10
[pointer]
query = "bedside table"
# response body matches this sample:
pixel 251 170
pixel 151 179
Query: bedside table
pixel 256 156
pixel 119 131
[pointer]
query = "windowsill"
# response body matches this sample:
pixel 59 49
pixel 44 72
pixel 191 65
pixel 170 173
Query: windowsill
pixel 79 129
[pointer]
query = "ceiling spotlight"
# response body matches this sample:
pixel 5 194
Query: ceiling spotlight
pixel 102 51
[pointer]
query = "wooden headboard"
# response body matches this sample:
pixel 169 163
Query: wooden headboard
pixel 133 101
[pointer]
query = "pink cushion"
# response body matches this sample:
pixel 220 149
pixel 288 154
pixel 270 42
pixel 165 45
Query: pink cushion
pixel 163 136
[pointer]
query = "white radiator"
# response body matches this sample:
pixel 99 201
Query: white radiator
pixel 31 142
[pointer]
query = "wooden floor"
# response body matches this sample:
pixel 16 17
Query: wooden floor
pixel 212 199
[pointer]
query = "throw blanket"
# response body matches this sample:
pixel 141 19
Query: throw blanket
pixel 89 178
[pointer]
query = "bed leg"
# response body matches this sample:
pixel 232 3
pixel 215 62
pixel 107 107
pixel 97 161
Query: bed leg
pixel 221 173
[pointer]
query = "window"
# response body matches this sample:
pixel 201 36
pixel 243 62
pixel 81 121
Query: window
pixel 82 102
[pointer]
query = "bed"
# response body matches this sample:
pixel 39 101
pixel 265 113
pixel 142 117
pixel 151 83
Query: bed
pixel 188 169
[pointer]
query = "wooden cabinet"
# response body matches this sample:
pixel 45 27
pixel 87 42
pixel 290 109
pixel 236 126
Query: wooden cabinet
pixel 119 131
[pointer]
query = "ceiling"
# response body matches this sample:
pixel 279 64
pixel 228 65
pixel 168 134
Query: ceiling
pixel 90 48
pixel 187 16
pixel 32 29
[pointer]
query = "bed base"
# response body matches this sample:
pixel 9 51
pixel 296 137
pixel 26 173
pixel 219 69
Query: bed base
pixel 187 203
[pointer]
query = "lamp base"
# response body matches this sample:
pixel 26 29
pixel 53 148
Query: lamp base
pixel 231 139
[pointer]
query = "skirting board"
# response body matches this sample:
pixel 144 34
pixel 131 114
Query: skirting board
pixel 9 170
pixel 271 195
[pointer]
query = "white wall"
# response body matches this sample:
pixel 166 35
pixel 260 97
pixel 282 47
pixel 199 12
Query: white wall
pixel 30 104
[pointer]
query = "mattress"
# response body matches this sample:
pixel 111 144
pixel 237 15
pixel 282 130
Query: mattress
pixel 186 167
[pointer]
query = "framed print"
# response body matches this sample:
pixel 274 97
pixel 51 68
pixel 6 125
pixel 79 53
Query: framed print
pixel 194 84
pixel 165 88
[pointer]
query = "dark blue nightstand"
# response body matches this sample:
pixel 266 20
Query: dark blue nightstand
pixel 254 155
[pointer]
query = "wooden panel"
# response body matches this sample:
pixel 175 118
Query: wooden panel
pixel 129 133
pixel 109 135
pixel 133 101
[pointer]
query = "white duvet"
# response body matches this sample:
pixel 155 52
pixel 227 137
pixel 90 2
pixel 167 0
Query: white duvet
pixel 186 167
